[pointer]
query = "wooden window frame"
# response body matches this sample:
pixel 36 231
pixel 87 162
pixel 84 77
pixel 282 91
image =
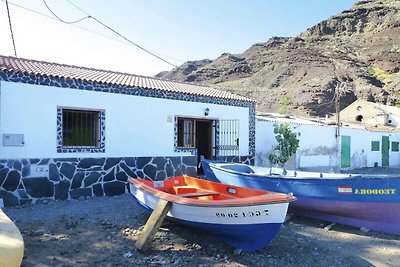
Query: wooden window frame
pixel 186 133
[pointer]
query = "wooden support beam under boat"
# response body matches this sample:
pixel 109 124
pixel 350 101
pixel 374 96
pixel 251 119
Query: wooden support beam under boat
pixel 153 223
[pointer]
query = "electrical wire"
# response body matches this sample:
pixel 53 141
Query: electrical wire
pixel 85 29
pixel 111 29
pixel 67 22
pixel 53 18
pixel 11 31
pixel 138 46
pixel 77 7
pixel 166 56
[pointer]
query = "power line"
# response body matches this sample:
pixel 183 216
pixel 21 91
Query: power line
pixel 83 11
pixel 111 29
pixel 85 29
pixel 11 31
pixel 53 18
pixel 165 56
pixel 67 22
pixel 31 10
pixel 138 46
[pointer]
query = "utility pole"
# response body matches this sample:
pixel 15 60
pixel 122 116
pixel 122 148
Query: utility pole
pixel 337 106
pixel 339 90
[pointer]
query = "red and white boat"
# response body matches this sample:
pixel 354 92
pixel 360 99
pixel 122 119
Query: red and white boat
pixel 243 217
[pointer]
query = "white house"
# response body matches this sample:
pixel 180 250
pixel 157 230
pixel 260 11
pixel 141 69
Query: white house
pixel 325 146
pixel 369 113
pixel 71 132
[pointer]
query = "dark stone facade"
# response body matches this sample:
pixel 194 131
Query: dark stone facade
pixel 75 178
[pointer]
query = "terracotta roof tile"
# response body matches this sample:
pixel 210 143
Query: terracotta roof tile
pixel 110 77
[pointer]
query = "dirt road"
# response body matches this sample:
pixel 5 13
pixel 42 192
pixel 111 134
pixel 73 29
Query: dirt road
pixel 102 232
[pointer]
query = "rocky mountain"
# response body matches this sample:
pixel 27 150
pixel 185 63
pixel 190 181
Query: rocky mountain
pixel 300 75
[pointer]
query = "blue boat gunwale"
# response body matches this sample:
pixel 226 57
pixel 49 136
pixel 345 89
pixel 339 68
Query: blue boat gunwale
pixel 350 177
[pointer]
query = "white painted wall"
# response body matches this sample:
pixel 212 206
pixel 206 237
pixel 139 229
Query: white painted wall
pixel 395 120
pixel 317 147
pixel 265 140
pixel 135 126
pixel 361 147
pixel 314 140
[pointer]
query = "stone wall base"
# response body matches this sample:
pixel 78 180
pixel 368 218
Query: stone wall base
pixel 25 181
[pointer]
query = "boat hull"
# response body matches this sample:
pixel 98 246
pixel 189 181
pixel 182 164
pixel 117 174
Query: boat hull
pixel 369 202
pixel 245 227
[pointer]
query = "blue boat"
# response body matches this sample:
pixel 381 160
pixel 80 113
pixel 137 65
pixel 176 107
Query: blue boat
pixel 371 202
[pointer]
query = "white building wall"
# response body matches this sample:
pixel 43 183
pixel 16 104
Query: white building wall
pixel 358 147
pixel 318 146
pixel 361 154
pixel 135 125
pixel 394 159
pixel 265 140
pixel 393 120
pixel 314 141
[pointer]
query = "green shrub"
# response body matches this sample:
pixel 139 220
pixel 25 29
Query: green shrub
pixel 287 144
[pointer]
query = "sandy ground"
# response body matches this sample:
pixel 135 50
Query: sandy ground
pixel 102 232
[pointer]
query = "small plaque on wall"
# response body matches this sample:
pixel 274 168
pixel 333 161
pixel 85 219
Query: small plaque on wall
pixel 169 119
pixel 13 139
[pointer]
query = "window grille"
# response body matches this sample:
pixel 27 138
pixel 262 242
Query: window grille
pixel 227 137
pixel 80 128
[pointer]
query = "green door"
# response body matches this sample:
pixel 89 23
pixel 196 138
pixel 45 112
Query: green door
pixel 345 152
pixel 385 150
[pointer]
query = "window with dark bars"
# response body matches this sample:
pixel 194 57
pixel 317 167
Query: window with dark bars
pixel 186 133
pixel 80 128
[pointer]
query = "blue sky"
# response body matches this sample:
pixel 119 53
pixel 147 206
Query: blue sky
pixel 176 30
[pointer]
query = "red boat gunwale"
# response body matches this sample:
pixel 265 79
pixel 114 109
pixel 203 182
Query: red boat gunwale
pixel 188 190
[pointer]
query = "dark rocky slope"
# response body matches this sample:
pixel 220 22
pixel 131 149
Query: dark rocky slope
pixel 300 74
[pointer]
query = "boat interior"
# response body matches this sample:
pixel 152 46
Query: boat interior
pixel 281 172
pixel 193 189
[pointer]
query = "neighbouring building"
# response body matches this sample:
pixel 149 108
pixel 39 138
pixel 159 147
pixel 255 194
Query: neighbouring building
pixel 74 132
pixel 324 146
pixel 365 112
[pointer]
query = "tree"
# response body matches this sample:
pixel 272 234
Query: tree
pixel 286 147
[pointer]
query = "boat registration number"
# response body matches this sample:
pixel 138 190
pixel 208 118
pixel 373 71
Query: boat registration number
pixel 242 214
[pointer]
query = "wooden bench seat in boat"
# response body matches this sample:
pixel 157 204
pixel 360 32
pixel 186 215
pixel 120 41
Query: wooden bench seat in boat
pixel 189 191
pixel 199 194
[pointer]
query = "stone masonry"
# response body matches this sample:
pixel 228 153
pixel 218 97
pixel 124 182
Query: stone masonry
pixel 74 178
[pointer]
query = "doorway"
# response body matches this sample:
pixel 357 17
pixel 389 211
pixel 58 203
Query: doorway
pixel 204 140
pixel 385 150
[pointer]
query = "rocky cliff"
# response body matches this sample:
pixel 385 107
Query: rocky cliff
pixel 299 75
